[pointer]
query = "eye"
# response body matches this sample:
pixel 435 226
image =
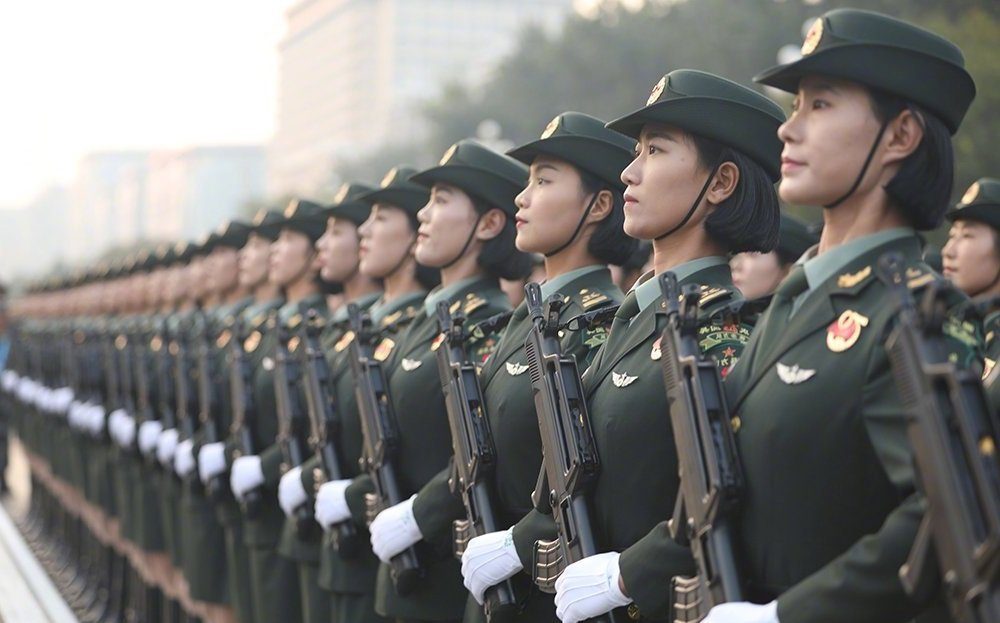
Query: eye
pixel 541 181
pixel 652 149
pixel 819 104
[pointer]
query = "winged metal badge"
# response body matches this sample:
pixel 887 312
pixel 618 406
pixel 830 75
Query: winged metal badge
pixel 409 365
pixel 515 369
pixel 623 379
pixel 793 375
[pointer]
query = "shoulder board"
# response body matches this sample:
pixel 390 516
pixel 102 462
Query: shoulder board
pixel 391 318
pixel 849 280
pixel 294 321
pixel 473 302
pixel 344 341
pixel 384 349
pixel 258 320
pixel 917 277
pixel 590 299
pixel 710 294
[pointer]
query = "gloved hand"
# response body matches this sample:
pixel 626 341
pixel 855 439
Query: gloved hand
pixel 166 446
pixel 42 396
pixel 114 424
pixel 246 475
pixel 184 458
pixel 488 560
pixel 394 529
pixel 211 460
pixel 96 420
pixel 61 399
pixel 743 612
pixel 588 588
pixel 73 414
pixel 8 380
pixel 149 433
pixel 126 431
pixel 291 493
pixel 331 503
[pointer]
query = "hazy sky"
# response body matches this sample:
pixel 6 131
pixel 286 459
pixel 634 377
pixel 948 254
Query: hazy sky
pixel 87 75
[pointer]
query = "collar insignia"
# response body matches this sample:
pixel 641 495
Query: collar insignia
pixel 252 342
pixel 383 349
pixel 437 342
pixel 516 369
pixel 344 341
pixel 656 353
pixel 849 280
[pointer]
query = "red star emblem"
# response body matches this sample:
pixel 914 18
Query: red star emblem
pixel 729 352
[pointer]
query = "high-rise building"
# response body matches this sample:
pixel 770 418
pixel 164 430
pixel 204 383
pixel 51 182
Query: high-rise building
pixel 352 73
pixel 98 218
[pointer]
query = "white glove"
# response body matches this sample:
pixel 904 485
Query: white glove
pixel 291 493
pixel 96 420
pixel 331 503
pixel 743 612
pixel 8 380
pixel 149 433
pixel 211 460
pixel 42 398
pixel 73 414
pixel 114 424
pixel 166 445
pixel 62 398
pixel 26 390
pixel 394 529
pixel 246 475
pixel 488 560
pixel 126 431
pixel 184 458
pixel 588 588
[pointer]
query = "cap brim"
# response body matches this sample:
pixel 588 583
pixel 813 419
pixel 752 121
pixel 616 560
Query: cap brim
pixel 604 161
pixel 985 213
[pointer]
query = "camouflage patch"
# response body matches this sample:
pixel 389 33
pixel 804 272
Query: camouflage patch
pixel 965 337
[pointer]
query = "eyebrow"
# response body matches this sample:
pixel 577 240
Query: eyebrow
pixel 664 134
pixel 822 87
pixel 541 167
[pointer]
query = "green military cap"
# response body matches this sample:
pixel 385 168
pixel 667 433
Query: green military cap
pixel 267 223
pixel 232 234
pixel 479 171
pixel 981 202
pixel 305 217
pixel 883 53
pixel 166 255
pixel 712 107
pixel 349 203
pixel 183 252
pixel 203 246
pixel 794 239
pixel 586 143
pixel 397 189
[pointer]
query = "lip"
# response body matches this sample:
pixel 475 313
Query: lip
pixel 630 199
pixel 518 222
pixel 790 164
pixel 947 270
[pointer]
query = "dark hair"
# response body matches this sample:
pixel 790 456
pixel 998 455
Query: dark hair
pixel 748 219
pixel 499 257
pixel 609 243
pixel 922 186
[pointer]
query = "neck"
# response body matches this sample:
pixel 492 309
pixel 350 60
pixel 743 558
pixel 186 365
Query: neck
pixel 359 285
pixel 301 288
pixel 569 259
pixel 402 281
pixel 464 268
pixel 677 249
pixel 266 291
pixel 858 216
pixel 236 294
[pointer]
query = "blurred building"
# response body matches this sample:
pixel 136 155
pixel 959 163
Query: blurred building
pixel 352 73
pixel 190 191
pixel 36 235
pixel 102 213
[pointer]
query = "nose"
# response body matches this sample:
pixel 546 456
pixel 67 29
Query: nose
pixel 424 214
pixel 631 176
pixel 521 200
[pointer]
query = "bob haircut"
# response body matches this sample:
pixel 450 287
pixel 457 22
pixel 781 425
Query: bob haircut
pixel 922 187
pixel 748 220
pixel 499 257
pixel 428 277
pixel 609 243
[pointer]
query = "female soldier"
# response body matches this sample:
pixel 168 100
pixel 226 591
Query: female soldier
pixel 700 187
pixel 385 240
pixel 829 509
pixel 274 582
pixel 758 274
pixel 571 213
pixel 467 231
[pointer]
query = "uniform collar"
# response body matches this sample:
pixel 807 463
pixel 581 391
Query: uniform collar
pixel 382 309
pixel 647 289
pixel 446 293
pixel 551 286
pixel 819 268
pixel 364 302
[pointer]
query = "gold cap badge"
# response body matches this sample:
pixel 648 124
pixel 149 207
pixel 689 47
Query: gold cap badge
pixel 657 90
pixel 971 194
pixel 448 154
pixel 813 37
pixel 551 128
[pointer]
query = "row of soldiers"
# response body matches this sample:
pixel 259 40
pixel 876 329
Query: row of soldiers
pixel 335 413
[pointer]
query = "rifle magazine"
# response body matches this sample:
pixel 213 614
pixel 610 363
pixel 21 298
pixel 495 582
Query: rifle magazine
pixel 686 597
pixel 373 506
pixel 548 565
pixel 461 534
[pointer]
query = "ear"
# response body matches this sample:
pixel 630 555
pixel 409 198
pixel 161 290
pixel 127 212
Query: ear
pixel 723 185
pixel 491 224
pixel 902 137
pixel 603 205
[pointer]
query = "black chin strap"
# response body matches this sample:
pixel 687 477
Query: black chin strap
pixel 579 226
pixel 864 168
pixel 694 206
pixel 465 247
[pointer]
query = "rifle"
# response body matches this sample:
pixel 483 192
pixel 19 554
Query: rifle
pixel 207 404
pixel 711 478
pixel 112 387
pixel 953 431
pixel 290 416
pixel 125 345
pixel 160 346
pixel 571 463
pixel 324 421
pixel 185 400
pixel 475 453
pixel 241 394
pixel 381 440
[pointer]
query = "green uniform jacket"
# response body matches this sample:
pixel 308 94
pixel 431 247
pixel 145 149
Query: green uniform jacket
pixel 627 401
pixel 425 447
pixel 991 328
pixel 508 402
pixel 830 510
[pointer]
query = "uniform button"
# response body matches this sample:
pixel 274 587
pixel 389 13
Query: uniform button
pixel 283 468
pixel 237 454
pixel 737 423
pixel 633 612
